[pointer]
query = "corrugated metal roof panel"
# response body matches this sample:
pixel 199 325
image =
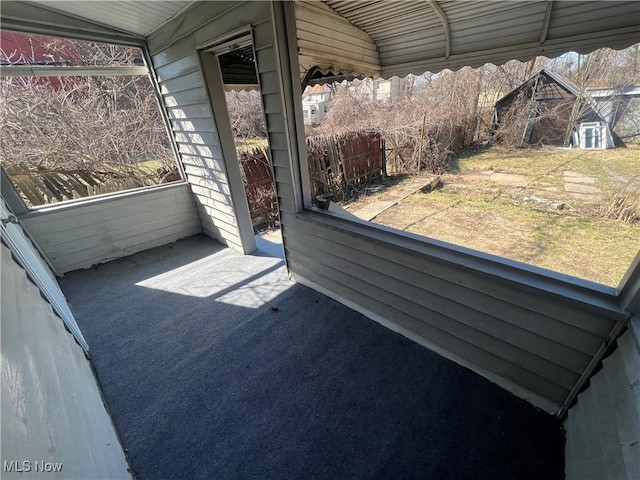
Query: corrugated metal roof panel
pixel 383 19
pixel 410 35
pixel 332 43
pixel 574 18
pixel 139 17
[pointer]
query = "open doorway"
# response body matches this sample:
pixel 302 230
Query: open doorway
pixel 244 126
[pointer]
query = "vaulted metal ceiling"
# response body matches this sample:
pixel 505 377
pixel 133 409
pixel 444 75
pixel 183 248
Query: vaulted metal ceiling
pixel 376 37
pixel 429 35
pixel 124 22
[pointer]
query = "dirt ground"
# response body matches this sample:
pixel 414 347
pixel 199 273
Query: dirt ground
pixel 544 207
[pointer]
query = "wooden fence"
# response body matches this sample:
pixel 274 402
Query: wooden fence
pixel 40 186
pixel 336 163
pixel 257 176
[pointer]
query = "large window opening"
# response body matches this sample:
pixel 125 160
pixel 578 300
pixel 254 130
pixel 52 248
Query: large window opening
pixel 79 119
pixel 537 162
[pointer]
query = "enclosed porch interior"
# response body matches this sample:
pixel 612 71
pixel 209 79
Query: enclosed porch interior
pixel 364 351
pixel 237 371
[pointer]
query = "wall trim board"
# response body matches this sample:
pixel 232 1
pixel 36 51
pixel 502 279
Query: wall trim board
pixel 153 76
pixel 215 88
pixel 113 227
pixel 99 199
pixel 588 372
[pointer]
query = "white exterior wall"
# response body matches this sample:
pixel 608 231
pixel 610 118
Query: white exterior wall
pixel 208 172
pixel 314 111
pixel 536 334
pixel 603 428
pixel 79 234
pixel 192 92
pixel 52 409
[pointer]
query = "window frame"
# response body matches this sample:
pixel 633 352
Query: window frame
pixel 596 137
pixel 15 200
pixel 613 302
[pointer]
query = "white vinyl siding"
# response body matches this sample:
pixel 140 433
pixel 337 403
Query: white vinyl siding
pixel 529 341
pixel 536 341
pixel 80 234
pixel 215 181
pixel 603 428
pixel 183 87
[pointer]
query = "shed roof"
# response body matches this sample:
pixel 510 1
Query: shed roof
pixel 566 84
pixel 315 89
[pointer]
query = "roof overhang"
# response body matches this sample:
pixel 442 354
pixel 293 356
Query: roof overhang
pixel 386 38
pixel 372 37
pixel 110 21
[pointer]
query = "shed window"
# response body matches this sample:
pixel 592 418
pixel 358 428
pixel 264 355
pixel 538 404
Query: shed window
pixel 591 135
pixel 66 136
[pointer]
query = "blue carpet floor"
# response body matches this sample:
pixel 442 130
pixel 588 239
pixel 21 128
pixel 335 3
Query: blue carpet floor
pixel 215 366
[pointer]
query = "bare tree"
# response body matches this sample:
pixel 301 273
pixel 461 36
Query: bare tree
pixel 66 137
pixel 245 113
pixel 427 118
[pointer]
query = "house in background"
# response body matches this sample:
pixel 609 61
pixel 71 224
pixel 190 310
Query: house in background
pixel 619 107
pixel 315 104
pixel 20 50
pixel 383 91
pixel 558 114
pixel 538 335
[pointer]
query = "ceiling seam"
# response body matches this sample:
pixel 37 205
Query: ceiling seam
pixel 547 21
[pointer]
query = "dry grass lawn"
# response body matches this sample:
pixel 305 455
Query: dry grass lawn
pixel 520 204
pixel 250 144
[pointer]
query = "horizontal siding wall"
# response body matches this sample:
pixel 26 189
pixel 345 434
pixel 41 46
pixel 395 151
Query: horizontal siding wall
pixel 185 95
pixel 273 104
pixel 537 341
pixel 79 235
pixel 216 186
pixel 183 87
pixel 533 343
pixel 52 409
pixel 603 428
